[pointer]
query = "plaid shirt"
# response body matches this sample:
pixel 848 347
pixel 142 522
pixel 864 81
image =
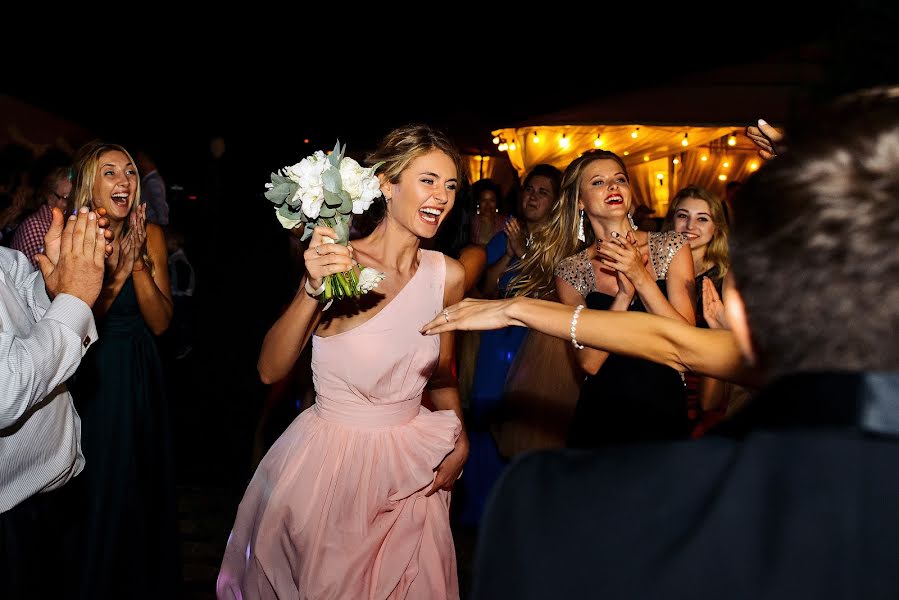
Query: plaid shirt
pixel 29 236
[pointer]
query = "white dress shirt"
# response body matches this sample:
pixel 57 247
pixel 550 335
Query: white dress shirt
pixel 41 345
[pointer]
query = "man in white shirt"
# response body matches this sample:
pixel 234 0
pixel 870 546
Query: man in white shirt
pixel 41 344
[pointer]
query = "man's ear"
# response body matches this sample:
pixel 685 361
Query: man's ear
pixel 737 321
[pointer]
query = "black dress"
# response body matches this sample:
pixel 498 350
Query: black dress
pixel 628 399
pixel 127 545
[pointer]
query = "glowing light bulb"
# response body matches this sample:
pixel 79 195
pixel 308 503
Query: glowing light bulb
pixel 598 141
pixel 512 147
pixel 496 139
pixel 635 133
pixel 626 153
pixel 726 165
pixel 536 138
pixel 722 177
pixel 645 158
pixel 685 142
pixel 732 140
pixel 703 158
pixel 564 142
pixel 753 166
pixel 675 161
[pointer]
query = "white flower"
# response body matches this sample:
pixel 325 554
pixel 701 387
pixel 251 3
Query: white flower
pixel 369 279
pixel 351 174
pixel 287 222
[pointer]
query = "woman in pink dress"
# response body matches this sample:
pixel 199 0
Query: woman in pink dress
pixel 352 501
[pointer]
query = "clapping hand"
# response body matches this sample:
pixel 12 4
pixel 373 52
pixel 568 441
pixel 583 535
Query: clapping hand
pixel 623 256
pixel 54 234
pixel 516 246
pixel 712 307
pixel 78 266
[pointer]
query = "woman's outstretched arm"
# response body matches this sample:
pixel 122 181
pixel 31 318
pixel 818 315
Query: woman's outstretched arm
pixel 667 341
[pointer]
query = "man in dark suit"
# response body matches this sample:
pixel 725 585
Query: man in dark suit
pixel 797 496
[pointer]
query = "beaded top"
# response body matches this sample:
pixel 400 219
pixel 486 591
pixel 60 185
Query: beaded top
pixel 578 272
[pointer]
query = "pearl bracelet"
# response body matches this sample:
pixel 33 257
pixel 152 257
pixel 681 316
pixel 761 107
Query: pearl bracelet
pixel 577 312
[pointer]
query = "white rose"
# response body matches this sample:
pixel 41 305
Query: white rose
pixel 351 174
pixel 312 202
pixel 369 279
pixel 371 189
pixel 286 222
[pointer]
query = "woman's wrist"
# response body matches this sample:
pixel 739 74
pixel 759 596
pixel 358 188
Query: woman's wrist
pixel 314 291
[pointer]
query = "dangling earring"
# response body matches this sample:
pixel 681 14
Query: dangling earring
pixel 630 218
pixel 477 209
pixel 580 228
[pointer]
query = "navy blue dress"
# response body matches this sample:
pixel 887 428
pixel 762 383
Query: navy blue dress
pixel 128 540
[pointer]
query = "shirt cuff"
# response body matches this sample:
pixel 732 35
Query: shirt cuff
pixel 77 316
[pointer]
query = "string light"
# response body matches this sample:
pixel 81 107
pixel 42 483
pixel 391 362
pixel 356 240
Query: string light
pixel 645 158
pixel 495 139
pixel 726 165
pixel 626 153
pixel 635 133
pixel 598 141
pixel 753 166
pixel 704 158
pixel 512 146
pixel 564 142
pixel 722 177
pixel 732 139
pixel 685 142
pixel 536 138
pixel 675 161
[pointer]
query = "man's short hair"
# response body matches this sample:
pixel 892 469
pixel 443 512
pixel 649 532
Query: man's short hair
pixel 814 253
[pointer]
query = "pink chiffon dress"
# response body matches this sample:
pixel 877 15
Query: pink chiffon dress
pixel 337 508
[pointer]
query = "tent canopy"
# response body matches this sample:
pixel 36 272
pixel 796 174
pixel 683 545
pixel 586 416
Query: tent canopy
pixel 669 137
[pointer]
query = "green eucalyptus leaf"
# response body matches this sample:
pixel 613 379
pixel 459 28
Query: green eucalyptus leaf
pixel 277 179
pixel 346 207
pixel 281 192
pixel 307 233
pixel 331 180
pixel 333 200
pixel 327 211
pixel 342 229
pixel 289 212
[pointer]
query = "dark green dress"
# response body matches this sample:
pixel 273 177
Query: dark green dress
pixel 128 537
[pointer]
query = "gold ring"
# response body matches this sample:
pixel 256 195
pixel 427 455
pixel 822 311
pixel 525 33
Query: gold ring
pixel 317 250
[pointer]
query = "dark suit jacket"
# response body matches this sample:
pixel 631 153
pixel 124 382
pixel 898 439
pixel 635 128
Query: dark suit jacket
pixel 796 498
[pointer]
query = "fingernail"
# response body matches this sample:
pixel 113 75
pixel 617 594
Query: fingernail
pixel 762 122
pixel 91 217
pixel 83 209
pixel 614 234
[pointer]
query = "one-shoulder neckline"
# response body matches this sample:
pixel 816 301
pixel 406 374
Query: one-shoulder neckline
pixel 422 253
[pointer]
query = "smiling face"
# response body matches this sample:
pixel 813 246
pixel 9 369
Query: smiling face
pixel 425 193
pixel 115 185
pixel 604 190
pixel 537 198
pixel 694 218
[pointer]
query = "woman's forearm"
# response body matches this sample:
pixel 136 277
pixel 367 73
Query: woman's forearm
pixel 659 339
pixel 155 307
pixel 287 337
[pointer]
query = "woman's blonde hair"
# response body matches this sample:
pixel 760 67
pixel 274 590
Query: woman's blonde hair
pixel 85 167
pixel 716 252
pixel 556 239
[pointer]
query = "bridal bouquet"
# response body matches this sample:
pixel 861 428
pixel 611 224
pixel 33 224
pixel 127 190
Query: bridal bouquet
pixel 327 190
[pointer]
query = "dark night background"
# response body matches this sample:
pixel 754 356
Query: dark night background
pixel 265 105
